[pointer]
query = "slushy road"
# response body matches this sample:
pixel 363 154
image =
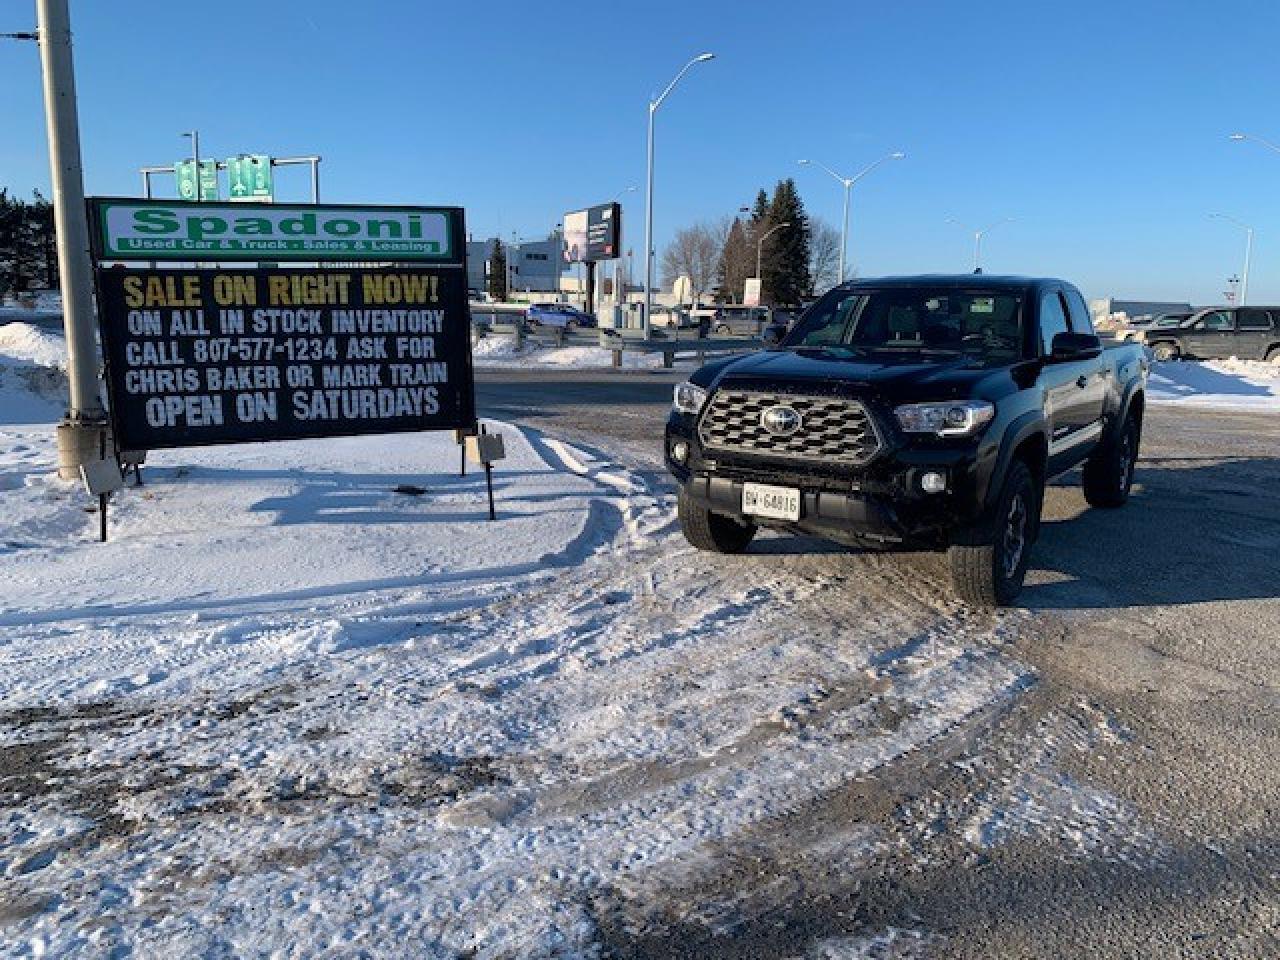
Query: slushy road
pixel 1162 620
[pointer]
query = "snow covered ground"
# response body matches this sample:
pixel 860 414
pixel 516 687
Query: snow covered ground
pixel 1243 385
pixel 287 711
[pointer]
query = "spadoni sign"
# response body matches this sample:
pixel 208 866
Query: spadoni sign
pixel 132 229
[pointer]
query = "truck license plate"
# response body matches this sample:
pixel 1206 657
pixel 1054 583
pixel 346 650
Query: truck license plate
pixel 777 503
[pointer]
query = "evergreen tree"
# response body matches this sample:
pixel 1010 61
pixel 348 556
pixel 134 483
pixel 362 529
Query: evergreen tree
pixel 737 262
pixel 497 286
pixel 28 251
pixel 786 265
pixel 760 212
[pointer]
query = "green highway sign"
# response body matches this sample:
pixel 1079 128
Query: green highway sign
pixel 249 176
pixel 133 229
pixel 184 170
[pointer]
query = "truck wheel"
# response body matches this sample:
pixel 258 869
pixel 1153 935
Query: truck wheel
pixel 723 330
pixel 711 531
pixel 989 560
pixel 1108 474
pixel 1165 351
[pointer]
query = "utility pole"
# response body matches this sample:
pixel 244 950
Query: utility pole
pixel 81 431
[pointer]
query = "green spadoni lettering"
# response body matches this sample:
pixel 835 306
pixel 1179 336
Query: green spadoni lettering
pixel 155 221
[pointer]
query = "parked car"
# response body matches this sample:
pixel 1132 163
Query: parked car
pixel 1250 333
pixel 559 315
pixel 1164 321
pixel 733 320
pixel 925 411
pixel 672 318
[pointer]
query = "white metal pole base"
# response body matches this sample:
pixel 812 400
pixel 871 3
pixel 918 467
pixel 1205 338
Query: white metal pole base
pixel 81 442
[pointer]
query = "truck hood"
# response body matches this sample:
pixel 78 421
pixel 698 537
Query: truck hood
pixel 925 376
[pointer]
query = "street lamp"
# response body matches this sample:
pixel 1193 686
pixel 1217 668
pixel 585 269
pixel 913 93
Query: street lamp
pixel 1239 137
pixel 1248 253
pixel 619 195
pixel 977 238
pixel 760 245
pixel 195 161
pixel 847 183
pixel 648 193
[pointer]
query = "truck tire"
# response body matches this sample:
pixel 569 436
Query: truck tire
pixel 1166 351
pixel 989 560
pixel 711 531
pixel 1108 474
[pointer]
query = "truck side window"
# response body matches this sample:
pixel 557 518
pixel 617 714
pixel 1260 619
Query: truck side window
pixel 1217 320
pixel 1053 321
pixel 1252 318
pixel 1081 322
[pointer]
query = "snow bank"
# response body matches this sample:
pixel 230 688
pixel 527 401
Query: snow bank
pixel 501 352
pixel 33 383
pixel 1243 385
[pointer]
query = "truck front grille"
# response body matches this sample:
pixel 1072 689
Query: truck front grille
pixel 832 429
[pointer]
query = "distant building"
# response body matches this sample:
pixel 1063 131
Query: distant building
pixel 533 266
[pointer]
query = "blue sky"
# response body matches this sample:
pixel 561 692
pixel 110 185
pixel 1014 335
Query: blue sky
pixel 1101 126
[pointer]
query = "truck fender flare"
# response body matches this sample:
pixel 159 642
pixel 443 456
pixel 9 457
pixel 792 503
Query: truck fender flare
pixel 1132 390
pixel 1030 424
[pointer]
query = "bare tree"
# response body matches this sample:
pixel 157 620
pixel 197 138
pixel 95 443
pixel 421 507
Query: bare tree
pixel 695 252
pixel 824 255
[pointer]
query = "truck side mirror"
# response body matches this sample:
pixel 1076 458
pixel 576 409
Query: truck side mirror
pixel 1075 346
pixel 774 333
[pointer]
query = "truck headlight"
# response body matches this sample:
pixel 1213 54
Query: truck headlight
pixel 945 419
pixel 689 398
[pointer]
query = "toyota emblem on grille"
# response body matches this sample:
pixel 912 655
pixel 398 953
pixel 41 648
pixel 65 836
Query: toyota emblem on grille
pixel 781 421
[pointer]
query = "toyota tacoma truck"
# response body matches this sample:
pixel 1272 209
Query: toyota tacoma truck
pixel 922 411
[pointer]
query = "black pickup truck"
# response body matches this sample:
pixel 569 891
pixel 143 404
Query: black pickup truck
pixel 921 411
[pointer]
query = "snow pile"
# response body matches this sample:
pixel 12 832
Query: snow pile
pixel 1246 385
pixel 501 352
pixel 33 383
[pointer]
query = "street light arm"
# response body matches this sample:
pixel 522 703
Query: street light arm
pixel 845 181
pixel 655 104
pixel 885 159
pixel 1222 216
pixel 1261 140
pixel 992 226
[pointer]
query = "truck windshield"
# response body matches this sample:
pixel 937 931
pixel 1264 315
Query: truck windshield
pixel 986 325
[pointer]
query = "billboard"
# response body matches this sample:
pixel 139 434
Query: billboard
pixel 134 229
pixel 593 234
pixel 211 356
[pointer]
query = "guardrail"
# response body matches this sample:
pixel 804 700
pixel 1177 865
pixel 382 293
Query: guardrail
pixel 667 341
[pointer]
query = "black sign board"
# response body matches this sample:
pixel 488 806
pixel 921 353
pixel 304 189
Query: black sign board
pixel 203 356
pixel 593 234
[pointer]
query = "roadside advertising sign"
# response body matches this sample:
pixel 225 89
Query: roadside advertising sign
pixel 751 292
pixel 155 230
pixel 593 234
pixel 249 178
pixel 209 356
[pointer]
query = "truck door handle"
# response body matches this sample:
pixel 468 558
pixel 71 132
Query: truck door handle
pixel 1082 381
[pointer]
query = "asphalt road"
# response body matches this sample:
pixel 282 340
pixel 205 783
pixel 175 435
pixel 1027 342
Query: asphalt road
pixel 1155 630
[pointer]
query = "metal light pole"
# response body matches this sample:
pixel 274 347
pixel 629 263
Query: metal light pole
pixel 648 193
pixel 847 183
pixel 82 430
pixel 760 246
pixel 1248 254
pixel 977 237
